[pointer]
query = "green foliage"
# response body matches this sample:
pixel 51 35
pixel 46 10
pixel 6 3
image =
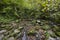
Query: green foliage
pixel 48 10
pixel 30 9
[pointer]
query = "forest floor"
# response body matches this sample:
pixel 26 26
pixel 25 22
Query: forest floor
pixel 28 30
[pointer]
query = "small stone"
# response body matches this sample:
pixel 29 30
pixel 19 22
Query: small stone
pixel 36 35
pixel 16 31
pixel 38 21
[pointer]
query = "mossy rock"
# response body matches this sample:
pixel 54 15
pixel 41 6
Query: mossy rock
pixel 57 33
pixel 37 27
pixel 34 22
pixel 32 32
pixel 18 20
pixel 56 28
pixel 53 35
pixel 20 28
pixel 46 27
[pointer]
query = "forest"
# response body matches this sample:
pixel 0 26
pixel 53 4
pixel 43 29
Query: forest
pixel 29 19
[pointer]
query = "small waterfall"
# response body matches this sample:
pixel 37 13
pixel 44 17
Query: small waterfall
pixel 24 36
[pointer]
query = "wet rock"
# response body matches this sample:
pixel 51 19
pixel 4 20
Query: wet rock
pixel 58 38
pixel 2 31
pixel 11 38
pixel 52 34
pixel 50 38
pixel 1 37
